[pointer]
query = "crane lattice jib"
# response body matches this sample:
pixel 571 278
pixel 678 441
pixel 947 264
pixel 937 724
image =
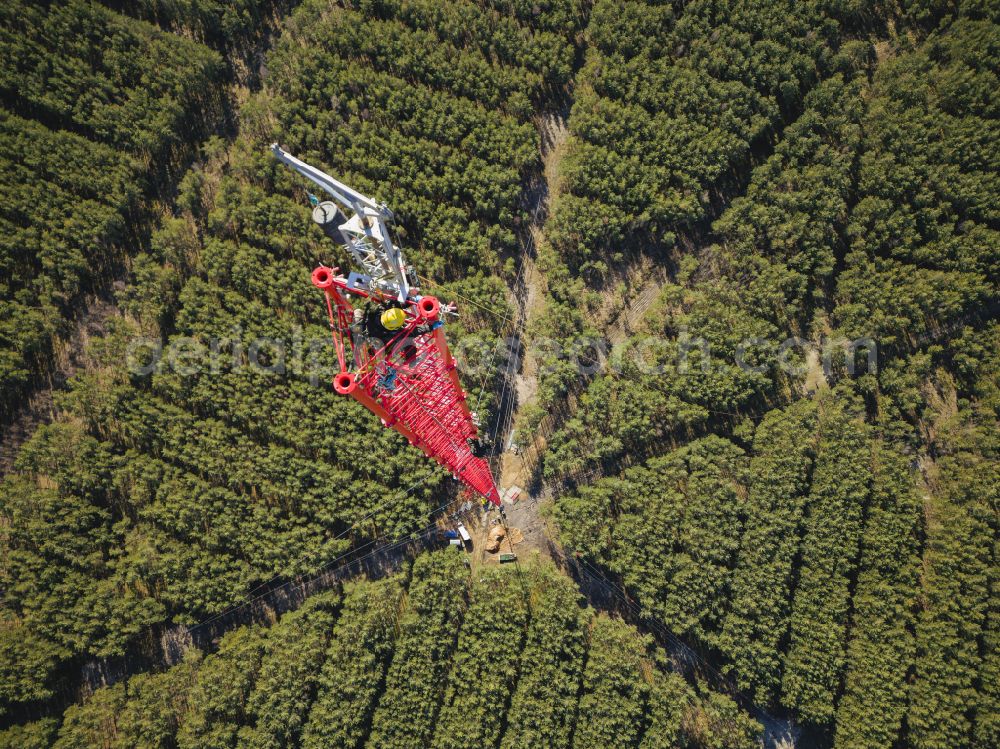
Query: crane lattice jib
pixel 410 382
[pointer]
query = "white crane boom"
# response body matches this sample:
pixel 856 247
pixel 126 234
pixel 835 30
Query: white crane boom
pixel 364 234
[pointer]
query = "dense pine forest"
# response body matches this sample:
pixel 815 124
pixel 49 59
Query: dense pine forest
pixel 771 226
pixel 369 666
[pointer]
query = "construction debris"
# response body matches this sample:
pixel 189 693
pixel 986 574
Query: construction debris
pixel 498 537
pixel 495 537
pixel 511 495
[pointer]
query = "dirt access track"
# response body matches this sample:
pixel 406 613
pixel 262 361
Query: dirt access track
pixel 516 470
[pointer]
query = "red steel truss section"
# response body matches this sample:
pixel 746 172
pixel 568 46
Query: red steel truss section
pixel 410 383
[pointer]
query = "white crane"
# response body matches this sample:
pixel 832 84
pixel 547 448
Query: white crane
pixel 364 233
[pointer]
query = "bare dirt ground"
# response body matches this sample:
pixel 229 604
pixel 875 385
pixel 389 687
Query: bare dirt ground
pixel 523 516
pixel 517 469
pixel 524 519
pixel 815 378
pixel 526 380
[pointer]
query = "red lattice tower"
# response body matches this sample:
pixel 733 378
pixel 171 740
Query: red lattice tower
pixel 411 382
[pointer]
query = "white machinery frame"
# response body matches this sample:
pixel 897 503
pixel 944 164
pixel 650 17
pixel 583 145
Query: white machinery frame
pixel 365 234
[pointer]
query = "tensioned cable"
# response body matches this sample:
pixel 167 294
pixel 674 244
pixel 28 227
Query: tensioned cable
pixel 342 534
pixel 460 296
pixel 505 319
pixel 652 623
pixel 508 375
pixel 503 331
pixel 504 419
pixel 655 623
pixel 315 573
pixel 353 525
pixel 519 324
